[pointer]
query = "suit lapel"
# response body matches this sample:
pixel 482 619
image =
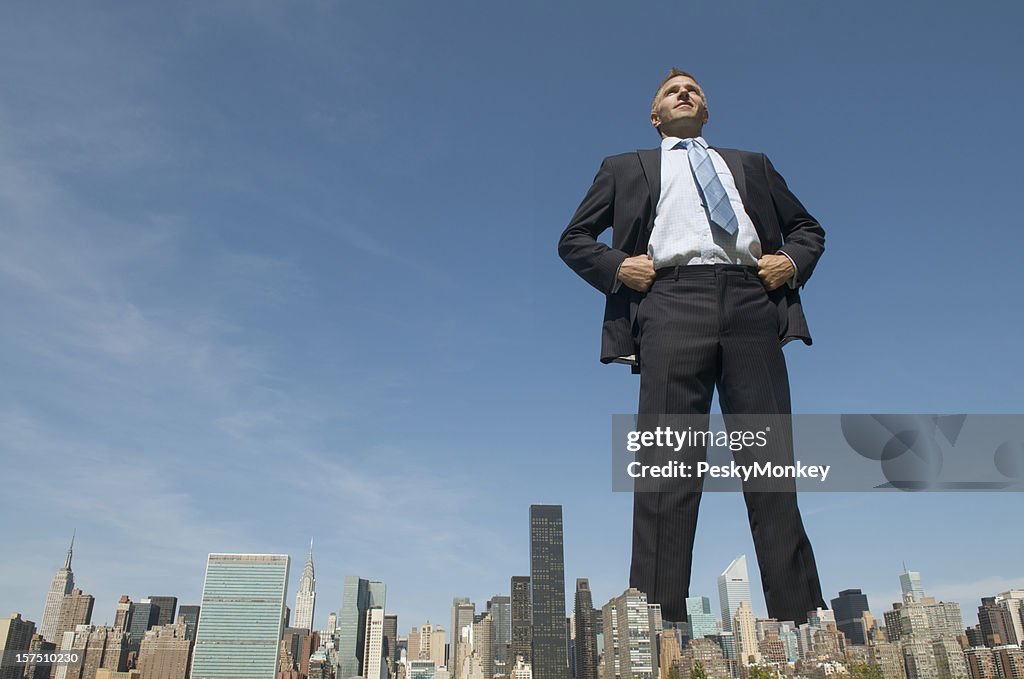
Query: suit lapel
pixel 650 161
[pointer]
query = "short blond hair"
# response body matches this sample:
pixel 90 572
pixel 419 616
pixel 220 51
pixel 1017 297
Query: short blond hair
pixel 673 73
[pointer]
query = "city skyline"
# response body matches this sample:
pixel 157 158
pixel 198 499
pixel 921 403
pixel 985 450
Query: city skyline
pixel 734 579
pixel 243 631
pixel 246 307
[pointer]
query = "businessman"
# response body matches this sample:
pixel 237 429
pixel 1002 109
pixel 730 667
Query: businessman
pixel 708 251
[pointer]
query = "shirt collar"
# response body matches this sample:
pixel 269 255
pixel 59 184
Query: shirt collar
pixel 669 142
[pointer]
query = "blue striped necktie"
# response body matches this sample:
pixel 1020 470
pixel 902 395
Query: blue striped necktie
pixel 716 201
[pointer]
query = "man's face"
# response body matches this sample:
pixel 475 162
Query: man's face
pixel 681 110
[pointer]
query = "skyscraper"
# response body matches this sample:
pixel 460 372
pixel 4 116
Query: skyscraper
pixel 166 605
pixel 586 631
pixel 377 591
pixel 699 618
pixel 1013 601
pixel 240 618
pixel 142 617
pixel 305 598
pixel 352 626
pixel 62 584
pixel 358 597
pixel 483 643
pixel 996 623
pixel 849 608
pixel 627 623
pixel 391 639
pixel 374 662
pixel 610 637
pixel 733 587
pixel 547 592
pixel 463 612
pixel 123 613
pixel 744 629
pixel 190 616
pixel 500 608
pixel 15 635
pixel 75 610
pixel 521 644
pixel 910 583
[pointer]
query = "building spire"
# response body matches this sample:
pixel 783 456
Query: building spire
pixel 67 561
pixel 311 549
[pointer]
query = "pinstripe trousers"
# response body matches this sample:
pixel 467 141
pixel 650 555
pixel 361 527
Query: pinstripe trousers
pixel 702 327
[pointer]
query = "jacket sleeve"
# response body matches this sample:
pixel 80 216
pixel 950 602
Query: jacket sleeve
pixel 578 246
pixel 802 236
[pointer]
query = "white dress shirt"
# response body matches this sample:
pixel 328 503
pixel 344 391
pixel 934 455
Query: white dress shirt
pixel 683 233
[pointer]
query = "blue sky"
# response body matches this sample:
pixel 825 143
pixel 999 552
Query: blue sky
pixel 280 270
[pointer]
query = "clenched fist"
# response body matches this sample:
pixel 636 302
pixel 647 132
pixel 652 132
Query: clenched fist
pixel 637 272
pixel 775 270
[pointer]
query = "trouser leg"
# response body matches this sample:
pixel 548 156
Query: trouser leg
pixel 679 358
pixel 754 380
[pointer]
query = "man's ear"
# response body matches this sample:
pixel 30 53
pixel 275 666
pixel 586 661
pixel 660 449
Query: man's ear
pixel 654 119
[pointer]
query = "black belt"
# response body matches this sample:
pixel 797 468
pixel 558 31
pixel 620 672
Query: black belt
pixel 683 271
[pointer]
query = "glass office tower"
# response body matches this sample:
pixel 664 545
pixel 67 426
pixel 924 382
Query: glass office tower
pixel 240 617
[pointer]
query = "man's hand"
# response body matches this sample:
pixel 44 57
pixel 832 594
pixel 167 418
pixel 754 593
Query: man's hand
pixel 637 272
pixel 775 270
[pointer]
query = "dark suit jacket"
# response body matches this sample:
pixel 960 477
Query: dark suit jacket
pixel 625 195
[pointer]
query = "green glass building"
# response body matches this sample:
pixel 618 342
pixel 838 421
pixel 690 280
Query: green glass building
pixel 241 616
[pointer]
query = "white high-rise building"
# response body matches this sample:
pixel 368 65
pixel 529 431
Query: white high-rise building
pixel 374 664
pixel 62 584
pixel 733 587
pixel 332 623
pixel 910 583
pixel 305 598
pixel 627 623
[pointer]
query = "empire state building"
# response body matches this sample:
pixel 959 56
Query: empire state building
pixel 63 583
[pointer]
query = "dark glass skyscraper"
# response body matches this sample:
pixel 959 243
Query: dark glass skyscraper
pixel 391 639
pixel 167 607
pixel 351 626
pixel 358 597
pixel 190 616
pixel 547 592
pixel 848 607
pixel 521 643
pixel 143 615
pixel 586 631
